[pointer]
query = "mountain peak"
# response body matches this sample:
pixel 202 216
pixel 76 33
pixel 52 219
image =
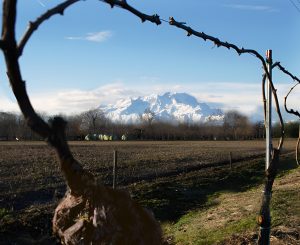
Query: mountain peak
pixel 180 107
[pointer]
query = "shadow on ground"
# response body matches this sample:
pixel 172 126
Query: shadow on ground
pixel 171 198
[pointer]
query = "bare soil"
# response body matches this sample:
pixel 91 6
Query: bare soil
pixel 170 178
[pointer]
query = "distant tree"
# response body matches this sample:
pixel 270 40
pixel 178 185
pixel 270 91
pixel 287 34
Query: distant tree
pixel 147 117
pixel 292 129
pixel 8 125
pixel 23 131
pixel 73 130
pixel 93 121
pixel 236 126
pixel 259 130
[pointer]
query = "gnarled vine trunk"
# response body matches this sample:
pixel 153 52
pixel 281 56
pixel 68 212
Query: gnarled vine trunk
pixel 89 213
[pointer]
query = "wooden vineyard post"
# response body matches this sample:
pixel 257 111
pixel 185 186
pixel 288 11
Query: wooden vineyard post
pixel 269 112
pixel 115 169
pixel 264 218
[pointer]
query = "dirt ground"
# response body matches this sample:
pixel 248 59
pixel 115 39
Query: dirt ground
pixel 170 178
pixel 286 229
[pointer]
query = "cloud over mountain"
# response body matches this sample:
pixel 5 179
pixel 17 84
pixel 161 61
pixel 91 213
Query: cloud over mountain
pixel 171 107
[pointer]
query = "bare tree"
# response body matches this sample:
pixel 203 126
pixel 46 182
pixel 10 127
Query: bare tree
pixel 259 130
pixel 236 125
pixel 73 130
pixel 89 213
pixel 148 117
pixel 8 125
pixel 93 120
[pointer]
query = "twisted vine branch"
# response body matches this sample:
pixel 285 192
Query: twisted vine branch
pixel 84 196
pixel 123 4
pixel 296 113
pixel 277 106
pixel 53 133
pixel 60 8
pixel 291 111
pixel 12 52
pixel 32 26
pixel 219 43
pixel 80 181
pixel 287 72
pixel 264 218
pixel 239 51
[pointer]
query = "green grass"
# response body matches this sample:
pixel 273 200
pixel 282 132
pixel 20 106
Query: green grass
pixel 285 203
pixel 188 230
pixel 6 217
pixel 193 227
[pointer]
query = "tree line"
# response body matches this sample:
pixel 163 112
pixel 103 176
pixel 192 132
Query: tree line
pixel 235 126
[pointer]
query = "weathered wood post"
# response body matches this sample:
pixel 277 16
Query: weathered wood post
pixel 268 122
pixel 115 169
pixel 264 219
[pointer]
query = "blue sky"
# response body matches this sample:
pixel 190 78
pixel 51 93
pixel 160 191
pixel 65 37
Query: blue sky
pixel 95 55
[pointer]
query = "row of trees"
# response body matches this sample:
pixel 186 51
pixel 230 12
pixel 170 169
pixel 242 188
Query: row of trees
pixel 13 126
pixel 235 126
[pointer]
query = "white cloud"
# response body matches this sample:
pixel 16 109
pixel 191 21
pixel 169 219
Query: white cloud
pixel 76 100
pixel 8 105
pixel 238 96
pixel 252 7
pixel 246 98
pixel 99 37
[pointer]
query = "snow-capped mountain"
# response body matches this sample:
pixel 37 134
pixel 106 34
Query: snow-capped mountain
pixel 170 107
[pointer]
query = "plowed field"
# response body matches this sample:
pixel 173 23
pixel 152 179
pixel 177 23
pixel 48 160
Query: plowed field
pixel 31 183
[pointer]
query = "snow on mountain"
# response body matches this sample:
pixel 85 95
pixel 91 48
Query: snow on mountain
pixel 170 107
